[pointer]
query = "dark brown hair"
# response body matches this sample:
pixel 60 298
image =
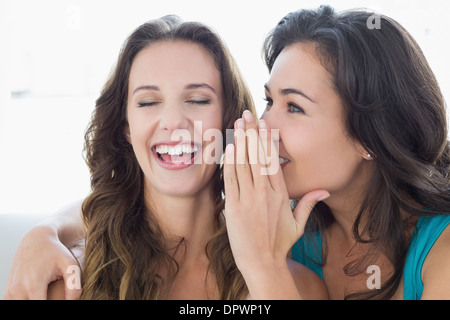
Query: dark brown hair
pixel 393 106
pixel 125 247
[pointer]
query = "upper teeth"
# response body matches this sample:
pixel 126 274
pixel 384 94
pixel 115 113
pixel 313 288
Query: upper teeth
pixel 283 160
pixel 176 150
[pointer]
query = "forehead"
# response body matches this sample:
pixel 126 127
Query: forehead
pixel 299 64
pixel 174 61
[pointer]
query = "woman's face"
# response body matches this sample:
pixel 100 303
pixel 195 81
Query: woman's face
pixel 315 150
pixel 174 98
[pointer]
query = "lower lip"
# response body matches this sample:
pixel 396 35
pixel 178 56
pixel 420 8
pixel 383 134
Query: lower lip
pixel 173 165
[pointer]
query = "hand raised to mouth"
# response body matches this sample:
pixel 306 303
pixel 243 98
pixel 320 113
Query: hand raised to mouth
pixel 261 225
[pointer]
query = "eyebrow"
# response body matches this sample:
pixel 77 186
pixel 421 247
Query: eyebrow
pixel 200 85
pixel 150 88
pixel 288 91
pixel 187 87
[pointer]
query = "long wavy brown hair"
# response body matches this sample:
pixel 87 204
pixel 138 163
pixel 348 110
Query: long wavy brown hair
pixel 395 109
pixel 125 249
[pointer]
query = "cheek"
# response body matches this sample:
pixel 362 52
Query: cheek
pixel 141 123
pixel 212 140
pixel 208 123
pixel 320 161
pixel 139 136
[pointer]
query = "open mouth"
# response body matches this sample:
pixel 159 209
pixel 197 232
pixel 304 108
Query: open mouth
pixel 180 154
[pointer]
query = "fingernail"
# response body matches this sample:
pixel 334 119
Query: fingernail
pixel 248 116
pixel 240 124
pixel 324 197
pixel 262 124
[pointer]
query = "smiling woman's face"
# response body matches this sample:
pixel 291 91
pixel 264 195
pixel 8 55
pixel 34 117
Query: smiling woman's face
pixel 315 150
pixel 174 88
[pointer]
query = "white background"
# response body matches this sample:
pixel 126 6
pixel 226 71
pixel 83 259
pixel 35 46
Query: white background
pixel 56 54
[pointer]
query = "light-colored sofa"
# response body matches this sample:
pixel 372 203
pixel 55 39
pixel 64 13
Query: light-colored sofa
pixel 12 229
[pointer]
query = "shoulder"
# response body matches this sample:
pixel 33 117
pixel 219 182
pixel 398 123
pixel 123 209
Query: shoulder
pixel 74 207
pixel 55 290
pixel 309 284
pixel 436 270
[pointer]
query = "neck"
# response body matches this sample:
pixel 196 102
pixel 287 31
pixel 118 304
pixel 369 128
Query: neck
pixel 344 213
pixel 346 203
pixel 190 218
pixel 345 210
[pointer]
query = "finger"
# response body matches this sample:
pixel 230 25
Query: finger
pixel 269 140
pixel 28 287
pixel 22 291
pixel 229 175
pixel 72 294
pixel 37 292
pixel 12 291
pixel 255 151
pixel 306 205
pixel 243 170
pixel 72 274
pixel 72 281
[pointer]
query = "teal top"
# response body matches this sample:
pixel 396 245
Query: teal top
pixel 426 232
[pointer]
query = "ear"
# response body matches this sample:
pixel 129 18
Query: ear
pixel 368 156
pixel 365 154
pixel 127 133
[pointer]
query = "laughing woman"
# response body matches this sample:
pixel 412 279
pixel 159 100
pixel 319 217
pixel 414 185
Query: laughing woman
pixel 153 222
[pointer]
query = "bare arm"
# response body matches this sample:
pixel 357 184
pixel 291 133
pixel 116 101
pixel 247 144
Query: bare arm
pixel 43 255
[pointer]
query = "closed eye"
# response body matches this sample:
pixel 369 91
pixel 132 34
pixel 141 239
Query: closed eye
pixel 147 104
pixel 199 102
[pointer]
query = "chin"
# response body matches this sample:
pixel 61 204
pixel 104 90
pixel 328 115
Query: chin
pixel 296 193
pixel 179 190
pixel 182 183
pixel 183 188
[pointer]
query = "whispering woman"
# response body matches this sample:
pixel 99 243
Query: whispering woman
pixel 360 115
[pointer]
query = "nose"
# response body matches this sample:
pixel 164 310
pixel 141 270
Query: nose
pixel 172 118
pixel 272 117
